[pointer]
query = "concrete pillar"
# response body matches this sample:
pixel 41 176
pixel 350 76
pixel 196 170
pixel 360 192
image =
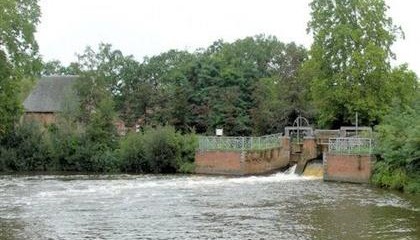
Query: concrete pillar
pixel 285 143
pixel 285 149
pixel 309 151
pixel 309 148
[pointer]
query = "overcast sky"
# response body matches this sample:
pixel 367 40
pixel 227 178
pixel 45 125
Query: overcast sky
pixel 149 27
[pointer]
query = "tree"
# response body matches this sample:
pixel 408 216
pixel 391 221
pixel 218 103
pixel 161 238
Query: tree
pixel 166 74
pixel 398 166
pixel 18 54
pixel 95 86
pixel 280 98
pixel 350 60
pixel 55 67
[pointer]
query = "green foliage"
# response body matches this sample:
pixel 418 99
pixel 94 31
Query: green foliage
pixel 280 98
pixel 158 150
pixel 350 60
pixel 67 145
pixel 10 108
pixel 388 177
pixel 132 154
pixel 161 149
pixel 100 128
pixel 18 25
pixel 399 147
pixel 94 88
pixel 203 90
pixel 54 67
pixel 413 184
pixel 18 55
pixel 25 149
pixel 186 167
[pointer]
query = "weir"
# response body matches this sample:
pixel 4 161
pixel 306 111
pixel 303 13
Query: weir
pixel 344 156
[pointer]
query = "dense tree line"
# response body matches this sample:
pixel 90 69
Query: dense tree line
pixel 252 86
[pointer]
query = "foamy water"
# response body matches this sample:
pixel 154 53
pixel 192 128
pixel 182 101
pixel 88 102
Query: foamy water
pixel 277 206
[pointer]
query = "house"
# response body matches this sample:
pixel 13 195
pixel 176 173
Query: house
pixel 50 96
pixel 53 95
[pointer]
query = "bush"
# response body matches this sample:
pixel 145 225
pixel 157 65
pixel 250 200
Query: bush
pixel 106 162
pixel 413 184
pixel 69 148
pixel 132 155
pixel 189 144
pixel 162 149
pixel 8 159
pixel 398 164
pixel 388 177
pixel 158 150
pixel 25 149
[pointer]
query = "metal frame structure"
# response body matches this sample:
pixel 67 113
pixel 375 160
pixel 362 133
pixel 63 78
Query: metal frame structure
pixel 299 130
pixel 213 143
pixel 350 146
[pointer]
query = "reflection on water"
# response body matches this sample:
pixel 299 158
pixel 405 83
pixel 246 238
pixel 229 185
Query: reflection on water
pixel 280 206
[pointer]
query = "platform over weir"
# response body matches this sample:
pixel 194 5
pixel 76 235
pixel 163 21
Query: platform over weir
pixel 241 155
pixel 349 160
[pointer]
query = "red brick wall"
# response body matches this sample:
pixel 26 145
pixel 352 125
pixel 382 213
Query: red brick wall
pixel 309 148
pixel 42 118
pixel 258 162
pixel 234 163
pixel 348 168
pixel 217 162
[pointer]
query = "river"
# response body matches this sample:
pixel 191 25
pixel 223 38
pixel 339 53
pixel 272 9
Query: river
pixel 279 206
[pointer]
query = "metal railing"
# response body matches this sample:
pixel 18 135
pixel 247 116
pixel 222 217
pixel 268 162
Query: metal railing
pixel 322 136
pixel 239 143
pixel 350 146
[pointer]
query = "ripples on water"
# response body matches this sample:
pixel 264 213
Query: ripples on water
pixel 279 206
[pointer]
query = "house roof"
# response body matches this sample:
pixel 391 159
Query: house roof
pixel 50 94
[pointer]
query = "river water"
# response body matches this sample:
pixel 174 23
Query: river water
pixel 279 206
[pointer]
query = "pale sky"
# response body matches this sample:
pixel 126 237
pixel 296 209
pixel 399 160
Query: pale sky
pixel 146 28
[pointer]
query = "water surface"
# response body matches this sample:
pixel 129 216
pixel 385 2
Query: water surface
pixel 280 206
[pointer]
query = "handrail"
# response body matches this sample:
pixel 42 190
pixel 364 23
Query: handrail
pixel 213 143
pixel 350 146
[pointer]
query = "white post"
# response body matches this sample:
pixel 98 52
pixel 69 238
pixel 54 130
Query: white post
pixel 357 124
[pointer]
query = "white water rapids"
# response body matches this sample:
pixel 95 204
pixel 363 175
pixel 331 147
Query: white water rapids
pixel 278 206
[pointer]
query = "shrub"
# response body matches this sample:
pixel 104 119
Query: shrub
pixel 389 177
pixel 8 159
pixel 69 148
pixel 25 149
pixel 162 149
pixel 105 161
pixel 158 150
pixel 189 144
pixel 132 155
pixel 398 164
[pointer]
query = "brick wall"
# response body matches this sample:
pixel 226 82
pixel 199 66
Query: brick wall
pixel 348 168
pixel 259 162
pixel 218 162
pixel 42 118
pixel 237 163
